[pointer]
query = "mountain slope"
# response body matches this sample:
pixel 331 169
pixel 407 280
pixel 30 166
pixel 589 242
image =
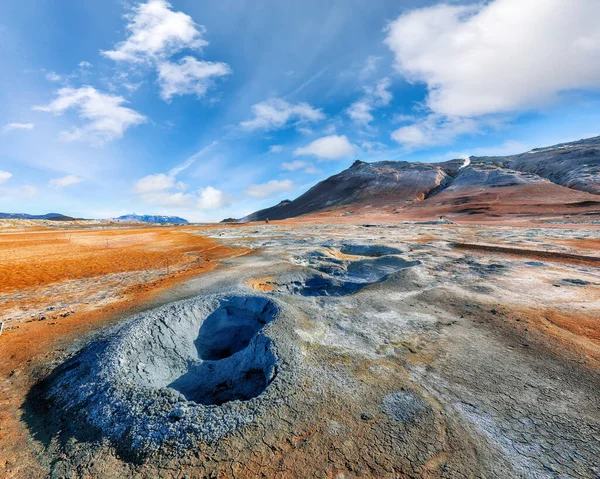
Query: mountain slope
pixel 546 180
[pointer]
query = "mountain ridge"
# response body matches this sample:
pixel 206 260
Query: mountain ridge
pixel 574 166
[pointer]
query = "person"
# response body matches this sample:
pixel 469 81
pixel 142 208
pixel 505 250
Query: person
pixel 267 220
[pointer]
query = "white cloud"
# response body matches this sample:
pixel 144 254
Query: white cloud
pixel 275 149
pixel 162 188
pixel 188 76
pixel 157 32
pixel 84 65
pixel 154 183
pixel 497 57
pixel 293 165
pixel 327 148
pixel 53 77
pixel 211 198
pixel 5 176
pixel 360 111
pixel 107 118
pixel 296 165
pixel 169 199
pixel 509 147
pixel 434 130
pixel 65 181
pixel 269 188
pixel 276 113
pixel 375 97
pixel 370 66
pixel 18 126
pixel 372 146
pixel 25 191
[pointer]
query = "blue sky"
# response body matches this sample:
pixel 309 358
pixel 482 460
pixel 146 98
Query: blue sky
pixel 215 109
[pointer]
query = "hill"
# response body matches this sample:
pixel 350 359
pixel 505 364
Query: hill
pixel 561 179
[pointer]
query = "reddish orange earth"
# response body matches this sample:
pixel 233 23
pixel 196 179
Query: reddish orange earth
pixel 40 269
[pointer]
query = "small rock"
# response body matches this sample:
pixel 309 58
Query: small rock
pixel 365 416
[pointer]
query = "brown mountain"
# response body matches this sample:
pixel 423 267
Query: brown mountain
pixel 558 180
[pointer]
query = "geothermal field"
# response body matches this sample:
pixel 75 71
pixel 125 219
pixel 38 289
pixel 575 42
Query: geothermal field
pixel 321 348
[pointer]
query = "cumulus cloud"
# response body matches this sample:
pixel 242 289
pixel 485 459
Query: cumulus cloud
pixel 157 32
pixel 327 148
pixel 18 126
pixel 375 97
pixel 496 57
pixel 360 111
pixel 434 130
pixel 163 189
pixel 65 181
pixel 5 176
pixel 296 165
pixel 269 188
pixel 277 113
pixel 107 118
pixel 154 183
pixel 210 199
pixel 189 76
pixel 275 149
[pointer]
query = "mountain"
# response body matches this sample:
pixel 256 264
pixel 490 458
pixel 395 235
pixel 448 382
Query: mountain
pixel 24 216
pixel 133 218
pixel 561 179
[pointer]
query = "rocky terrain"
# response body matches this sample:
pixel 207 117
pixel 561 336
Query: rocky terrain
pixel 559 180
pixel 341 350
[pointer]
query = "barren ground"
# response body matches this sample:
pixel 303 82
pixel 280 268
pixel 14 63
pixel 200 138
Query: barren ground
pixel 403 350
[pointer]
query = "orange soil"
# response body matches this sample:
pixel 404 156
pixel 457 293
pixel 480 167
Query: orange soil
pixel 40 258
pixel 262 284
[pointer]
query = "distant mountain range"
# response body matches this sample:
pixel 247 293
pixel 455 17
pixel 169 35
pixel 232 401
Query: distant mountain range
pixel 561 179
pixel 24 216
pixel 133 218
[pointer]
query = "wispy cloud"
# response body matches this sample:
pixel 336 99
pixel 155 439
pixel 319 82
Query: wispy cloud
pixel 5 176
pixel 269 188
pixel 277 113
pixel 375 97
pixel 297 165
pixel 107 118
pixel 18 192
pixel 189 76
pixel 18 126
pixel 327 148
pixel 69 180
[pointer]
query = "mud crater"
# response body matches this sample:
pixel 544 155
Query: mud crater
pixel 227 358
pixel 184 372
pixel 337 276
